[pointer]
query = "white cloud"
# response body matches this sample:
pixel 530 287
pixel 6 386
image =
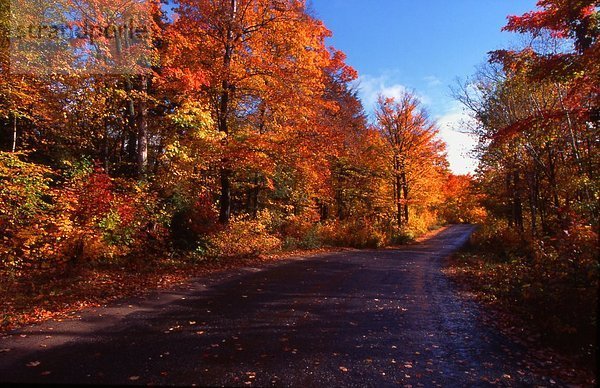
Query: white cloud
pixel 449 116
pixel 370 87
pixel 432 81
pixel 452 125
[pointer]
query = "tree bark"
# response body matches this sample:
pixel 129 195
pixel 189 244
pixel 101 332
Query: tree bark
pixel 14 134
pixel 398 191
pixel 106 146
pixel 254 193
pixel 517 203
pixel 225 205
pixel 132 132
pixel 405 193
pixel 226 172
pixel 533 199
pixel 142 131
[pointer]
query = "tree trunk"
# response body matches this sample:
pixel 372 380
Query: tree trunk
pixel 533 199
pixel 226 172
pixel 405 193
pixel 106 146
pixel 142 131
pixel 517 203
pixel 14 133
pixel 132 132
pixel 255 192
pixel 398 194
pixel 225 205
pixel 398 191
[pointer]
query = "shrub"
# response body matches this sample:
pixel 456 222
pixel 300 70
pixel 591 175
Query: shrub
pixel 193 220
pixel 404 236
pixel 504 244
pixel 23 191
pixel 132 222
pixel 299 232
pixel 25 202
pixel 552 281
pixel 357 233
pixel 243 237
pixel 311 239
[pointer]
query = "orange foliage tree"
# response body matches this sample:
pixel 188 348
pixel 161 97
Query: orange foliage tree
pixel 258 68
pixel 537 120
pixel 417 156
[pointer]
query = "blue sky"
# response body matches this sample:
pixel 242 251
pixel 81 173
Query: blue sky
pixel 422 46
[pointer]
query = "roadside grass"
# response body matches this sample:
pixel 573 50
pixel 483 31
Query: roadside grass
pixel 537 313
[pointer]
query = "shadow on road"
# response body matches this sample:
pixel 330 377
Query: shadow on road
pixel 368 318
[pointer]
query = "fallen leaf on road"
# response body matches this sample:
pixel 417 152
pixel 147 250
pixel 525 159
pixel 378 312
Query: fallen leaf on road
pixel 134 378
pixel 33 363
pixel 343 369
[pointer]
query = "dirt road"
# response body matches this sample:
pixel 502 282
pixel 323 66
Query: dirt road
pixel 356 318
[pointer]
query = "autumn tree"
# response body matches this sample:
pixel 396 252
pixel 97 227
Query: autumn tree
pixel 536 116
pixel 19 94
pixel 250 60
pixel 463 202
pixel 417 155
pixel 219 118
pixel 538 113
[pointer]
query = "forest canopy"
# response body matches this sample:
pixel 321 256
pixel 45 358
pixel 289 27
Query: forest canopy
pixel 210 128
